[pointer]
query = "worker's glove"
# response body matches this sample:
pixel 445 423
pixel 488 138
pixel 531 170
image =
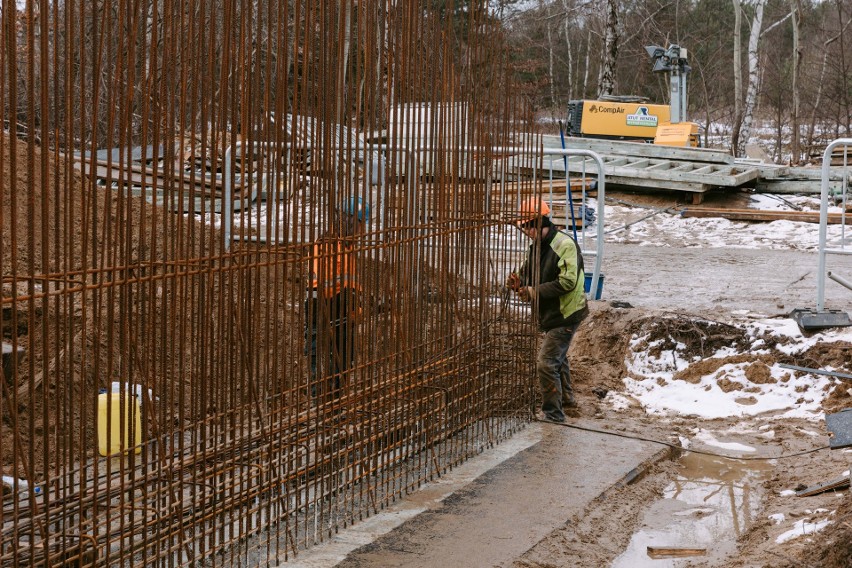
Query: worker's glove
pixel 513 282
pixel 526 293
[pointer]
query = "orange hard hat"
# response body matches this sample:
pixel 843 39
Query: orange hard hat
pixel 532 208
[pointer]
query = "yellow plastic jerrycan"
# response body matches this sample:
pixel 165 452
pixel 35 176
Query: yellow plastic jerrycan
pixel 113 417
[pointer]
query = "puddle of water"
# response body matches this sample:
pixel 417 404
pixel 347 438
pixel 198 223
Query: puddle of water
pixel 710 503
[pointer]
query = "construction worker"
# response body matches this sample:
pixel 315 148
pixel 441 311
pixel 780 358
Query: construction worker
pixel 552 279
pixel 333 302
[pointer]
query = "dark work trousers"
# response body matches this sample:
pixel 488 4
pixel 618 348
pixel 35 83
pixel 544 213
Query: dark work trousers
pixel 329 344
pixel 554 376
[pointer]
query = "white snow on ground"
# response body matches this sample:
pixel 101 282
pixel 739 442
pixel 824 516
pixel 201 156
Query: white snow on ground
pixel 801 528
pixel 651 380
pixel 710 440
pixel 671 227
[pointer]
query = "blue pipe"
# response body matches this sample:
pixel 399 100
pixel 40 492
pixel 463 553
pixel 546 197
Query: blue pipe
pixel 568 182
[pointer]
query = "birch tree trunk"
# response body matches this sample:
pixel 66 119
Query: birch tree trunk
pixel 566 29
pixel 343 60
pixel 753 75
pixel 550 76
pixel 738 79
pixel 383 61
pixel 588 63
pixel 795 10
pixel 606 81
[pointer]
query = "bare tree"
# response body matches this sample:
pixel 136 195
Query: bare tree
pixel 820 83
pixel 753 74
pixel 566 30
pixel 738 79
pixel 796 11
pixel 606 80
pixel 550 56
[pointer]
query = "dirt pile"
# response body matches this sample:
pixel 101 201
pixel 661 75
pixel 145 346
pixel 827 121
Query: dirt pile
pixel 64 242
pixel 833 549
pixel 599 352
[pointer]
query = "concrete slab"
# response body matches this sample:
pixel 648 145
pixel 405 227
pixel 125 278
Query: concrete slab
pixel 494 507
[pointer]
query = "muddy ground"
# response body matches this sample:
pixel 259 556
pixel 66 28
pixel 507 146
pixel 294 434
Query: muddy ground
pixel 603 533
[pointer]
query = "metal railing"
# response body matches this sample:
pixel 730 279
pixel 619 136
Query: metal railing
pixel 412 165
pixel 824 249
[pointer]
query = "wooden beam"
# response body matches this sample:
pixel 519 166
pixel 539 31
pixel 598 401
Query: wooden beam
pixel 674 552
pixel 833 485
pixel 136 174
pixel 764 215
pixel 641 149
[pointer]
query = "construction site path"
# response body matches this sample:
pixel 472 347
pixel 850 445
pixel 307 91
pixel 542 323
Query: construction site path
pixel 532 484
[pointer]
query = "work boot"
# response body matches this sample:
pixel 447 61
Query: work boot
pixel 542 417
pixel 569 401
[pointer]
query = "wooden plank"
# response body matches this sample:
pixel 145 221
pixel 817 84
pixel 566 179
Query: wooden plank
pixel 733 178
pixel 673 185
pixel 153 178
pixel 176 173
pixel 674 552
pixel 560 211
pixel 641 149
pixel 763 215
pixel 841 482
pixel 164 191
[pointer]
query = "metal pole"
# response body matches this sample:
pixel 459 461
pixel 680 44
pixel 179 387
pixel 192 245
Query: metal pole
pixel 601 192
pixel 823 218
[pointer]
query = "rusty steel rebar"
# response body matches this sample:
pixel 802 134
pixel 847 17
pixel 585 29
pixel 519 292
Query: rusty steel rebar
pixel 125 125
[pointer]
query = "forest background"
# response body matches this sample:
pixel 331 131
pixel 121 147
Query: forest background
pixel 779 69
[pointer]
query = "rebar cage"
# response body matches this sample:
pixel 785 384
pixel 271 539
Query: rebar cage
pixel 167 167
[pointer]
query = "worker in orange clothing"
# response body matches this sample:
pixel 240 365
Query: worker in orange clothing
pixel 552 280
pixel 333 302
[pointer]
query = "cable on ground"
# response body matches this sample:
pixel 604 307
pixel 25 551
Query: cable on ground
pixel 677 447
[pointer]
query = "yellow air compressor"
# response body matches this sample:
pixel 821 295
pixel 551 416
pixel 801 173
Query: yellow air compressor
pixel 616 118
pixel 632 118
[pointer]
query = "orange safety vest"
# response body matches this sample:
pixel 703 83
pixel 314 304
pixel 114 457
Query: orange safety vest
pixel 333 268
